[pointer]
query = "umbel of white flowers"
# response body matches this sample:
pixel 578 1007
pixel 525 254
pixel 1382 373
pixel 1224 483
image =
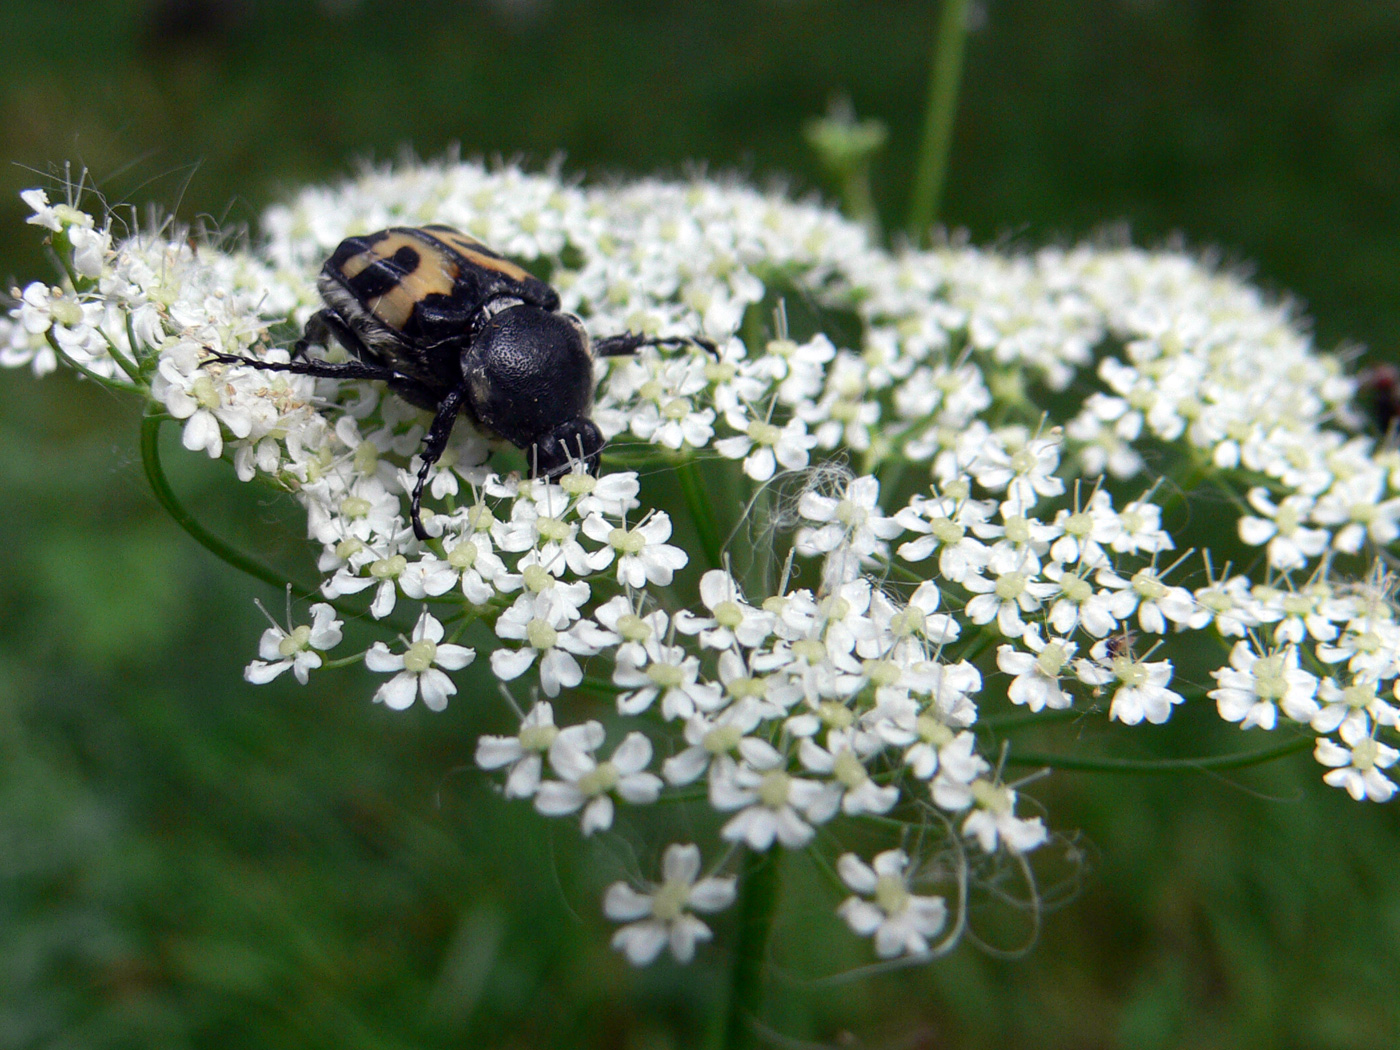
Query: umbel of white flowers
pixel 958 550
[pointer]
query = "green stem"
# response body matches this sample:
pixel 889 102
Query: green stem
pixel 160 485
pixel 107 381
pixel 700 514
pixel 758 899
pixel 944 81
pixel 1159 765
pixel 1017 719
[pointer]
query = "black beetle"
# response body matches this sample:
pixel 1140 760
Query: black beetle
pixel 451 326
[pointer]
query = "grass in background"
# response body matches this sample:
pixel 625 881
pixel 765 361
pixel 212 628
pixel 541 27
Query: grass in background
pixel 188 862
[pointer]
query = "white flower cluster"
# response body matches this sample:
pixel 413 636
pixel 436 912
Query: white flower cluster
pixel 962 549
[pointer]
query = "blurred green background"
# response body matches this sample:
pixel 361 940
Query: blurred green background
pixel 187 861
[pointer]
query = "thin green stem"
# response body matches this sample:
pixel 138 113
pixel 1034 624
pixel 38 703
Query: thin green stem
pixel 699 506
pixel 107 381
pixel 160 485
pixel 1016 719
pixel 758 900
pixel 1159 765
pixel 945 78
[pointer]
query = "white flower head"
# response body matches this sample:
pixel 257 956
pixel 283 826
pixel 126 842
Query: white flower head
pixel 297 649
pixel 1357 766
pixel 589 784
pixel 661 917
pixel 421 667
pixel 1254 688
pixel 901 922
pixel 521 755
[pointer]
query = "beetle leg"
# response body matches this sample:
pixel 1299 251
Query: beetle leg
pixel 323 369
pixel 631 342
pixel 433 446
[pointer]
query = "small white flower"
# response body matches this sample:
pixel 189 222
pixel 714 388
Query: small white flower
pixel 667 671
pixel 843 759
pixel 901 922
pixel 523 753
pixel 420 668
pixel 44 214
pixel 993 818
pixel 773 804
pixel 642 553
pixel 298 649
pixel 1253 688
pixel 731 620
pixel 1142 691
pixel 659 918
pixel 541 623
pixel 1352 703
pixel 710 737
pixel 853 519
pixel 587 784
pixel 1037 674
pixel 1281 527
pixel 763 445
pixel 1005 598
pixel 1357 766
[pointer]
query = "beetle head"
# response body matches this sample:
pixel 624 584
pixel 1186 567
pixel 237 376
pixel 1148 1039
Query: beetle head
pixel 573 441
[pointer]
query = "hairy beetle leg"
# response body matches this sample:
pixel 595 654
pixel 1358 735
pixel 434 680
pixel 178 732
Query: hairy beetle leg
pixel 433 446
pixel 631 342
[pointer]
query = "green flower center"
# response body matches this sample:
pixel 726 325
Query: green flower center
pixel 881 672
pixel 947 531
pixel 729 614
pixel 633 628
pixel 1076 589
pixel 994 798
pixel 838 716
pixel 1079 525
pixel 1148 587
pixel 599 781
pixel 932 731
pixel 774 788
pixel 849 769
pixel 1358 695
pixel 670 900
pixel 554 529
pixel 1269 680
pixel 388 568
pixel 1052 659
pixel 298 640
pixel 667 676
pixel 420 656
pixel 1129 671
pixel 745 686
pixel 764 433
pixel 538 738
pixel 890 894
pixel 202 388
pixel 1364 755
pixel 540 634
pixel 537 578
pixel 1011 586
pixel 722 739
pixel 628 541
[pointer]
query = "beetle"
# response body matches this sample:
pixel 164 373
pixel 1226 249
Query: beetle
pixel 455 328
